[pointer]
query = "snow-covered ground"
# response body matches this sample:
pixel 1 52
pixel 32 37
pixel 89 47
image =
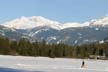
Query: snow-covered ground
pixel 45 64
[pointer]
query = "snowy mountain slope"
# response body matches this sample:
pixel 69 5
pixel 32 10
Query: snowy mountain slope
pixel 71 36
pixel 31 22
pixel 10 33
pixel 103 21
pixel 38 21
pixel 74 25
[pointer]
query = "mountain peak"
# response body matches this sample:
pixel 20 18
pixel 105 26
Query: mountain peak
pixel 39 21
pixel 102 21
pixel 31 22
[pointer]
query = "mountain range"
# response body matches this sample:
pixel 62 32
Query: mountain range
pixel 72 33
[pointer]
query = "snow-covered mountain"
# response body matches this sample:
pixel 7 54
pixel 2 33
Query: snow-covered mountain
pixel 38 21
pixel 39 28
pixel 31 22
pixel 103 21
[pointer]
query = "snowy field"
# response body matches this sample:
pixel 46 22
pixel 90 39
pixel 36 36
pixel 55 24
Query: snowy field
pixel 45 64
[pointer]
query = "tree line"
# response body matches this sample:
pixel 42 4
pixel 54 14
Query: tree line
pixel 24 47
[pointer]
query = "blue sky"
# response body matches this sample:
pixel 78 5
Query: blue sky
pixel 59 10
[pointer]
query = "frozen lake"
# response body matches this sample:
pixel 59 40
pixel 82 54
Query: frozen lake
pixel 45 64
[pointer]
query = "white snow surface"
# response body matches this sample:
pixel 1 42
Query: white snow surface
pixel 45 64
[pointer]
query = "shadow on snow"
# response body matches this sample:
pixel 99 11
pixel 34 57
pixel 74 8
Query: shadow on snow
pixel 14 70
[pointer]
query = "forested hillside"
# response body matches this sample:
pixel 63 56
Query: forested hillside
pixel 26 48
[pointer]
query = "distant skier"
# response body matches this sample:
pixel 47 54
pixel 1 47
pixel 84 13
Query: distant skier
pixel 83 64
